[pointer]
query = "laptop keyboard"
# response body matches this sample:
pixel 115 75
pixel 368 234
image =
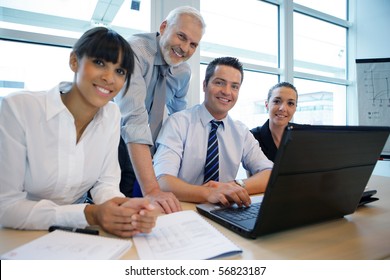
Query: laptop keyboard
pixel 239 213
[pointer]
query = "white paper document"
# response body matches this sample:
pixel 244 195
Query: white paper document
pixel 64 245
pixel 183 235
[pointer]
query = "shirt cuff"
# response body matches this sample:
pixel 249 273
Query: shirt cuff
pixel 71 215
pixel 137 134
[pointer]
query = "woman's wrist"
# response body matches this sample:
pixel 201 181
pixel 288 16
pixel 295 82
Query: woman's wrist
pixel 90 216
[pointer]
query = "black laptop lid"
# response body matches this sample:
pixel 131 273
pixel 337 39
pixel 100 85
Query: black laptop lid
pixel 320 173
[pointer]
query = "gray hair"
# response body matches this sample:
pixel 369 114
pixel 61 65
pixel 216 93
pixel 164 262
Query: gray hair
pixel 175 14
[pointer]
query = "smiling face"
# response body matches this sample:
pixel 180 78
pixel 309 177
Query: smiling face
pixel 179 40
pixel 221 91
pixel 96 81
pixel 281 105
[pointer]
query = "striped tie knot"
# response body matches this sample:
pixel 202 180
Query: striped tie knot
pixel 215 124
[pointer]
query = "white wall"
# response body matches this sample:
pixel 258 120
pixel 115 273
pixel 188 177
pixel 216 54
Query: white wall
pixel 373 29
pixel 367 39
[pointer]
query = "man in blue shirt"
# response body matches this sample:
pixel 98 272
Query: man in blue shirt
pixel 179 36
pixel 183 142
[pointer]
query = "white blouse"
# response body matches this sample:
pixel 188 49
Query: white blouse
pixel 42 169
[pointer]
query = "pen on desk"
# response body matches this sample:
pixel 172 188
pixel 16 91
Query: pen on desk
pixel 79 230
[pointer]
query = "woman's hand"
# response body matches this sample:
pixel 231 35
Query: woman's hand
pixel 122 216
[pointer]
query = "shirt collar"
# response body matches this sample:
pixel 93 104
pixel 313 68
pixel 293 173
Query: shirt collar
pixel 55 106
pixel 206 117
pixel 54 103
pixel 159 59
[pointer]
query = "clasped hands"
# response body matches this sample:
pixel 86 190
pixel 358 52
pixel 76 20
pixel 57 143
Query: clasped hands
pixel 123 216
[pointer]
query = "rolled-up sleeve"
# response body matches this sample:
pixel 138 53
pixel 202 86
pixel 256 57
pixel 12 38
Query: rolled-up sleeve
pixel 254 160
pixel 168 157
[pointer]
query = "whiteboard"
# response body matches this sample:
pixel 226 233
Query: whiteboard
pixel 373 86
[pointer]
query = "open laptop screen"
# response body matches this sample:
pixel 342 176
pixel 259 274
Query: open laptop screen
pixel 320 173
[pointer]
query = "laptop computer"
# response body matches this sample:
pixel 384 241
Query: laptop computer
pixel 319 174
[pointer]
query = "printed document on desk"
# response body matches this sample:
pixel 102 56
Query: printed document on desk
pixel 65 245
pixel 183 235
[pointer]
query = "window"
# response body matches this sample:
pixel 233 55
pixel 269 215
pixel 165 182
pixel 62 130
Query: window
pixel 320 103
pixel 320 53
pixel 42 33
pixel 37 67
pixel 72 17
pixel 311 50
pixel 320 62
pixel 248 31
pixel 314 54
pixel 337 8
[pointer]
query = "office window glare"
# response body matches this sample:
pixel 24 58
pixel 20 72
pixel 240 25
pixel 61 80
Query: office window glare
pixel 71 18
pixel 320 103
pixel 250 107
pixel 247 30
pixel 128 17
pixel 320 61
pixel 337 8
pixel 32 66
pixel 319 55
pixel 54 26
pixel 319 47
pixel 68 9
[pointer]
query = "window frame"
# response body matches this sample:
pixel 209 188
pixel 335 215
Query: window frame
pixel 285 71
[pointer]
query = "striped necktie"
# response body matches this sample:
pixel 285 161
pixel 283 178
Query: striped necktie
pixel 211 169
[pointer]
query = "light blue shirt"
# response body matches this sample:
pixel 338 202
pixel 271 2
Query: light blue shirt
pixel 135 104
pixel 182 147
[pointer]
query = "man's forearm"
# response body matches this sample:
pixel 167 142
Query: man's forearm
pixel 143 167
pixel 258 182
pixel 183 190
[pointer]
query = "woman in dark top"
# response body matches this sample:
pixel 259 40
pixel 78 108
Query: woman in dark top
pixel 281 105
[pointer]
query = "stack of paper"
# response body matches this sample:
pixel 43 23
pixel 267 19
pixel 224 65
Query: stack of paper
pixel 183 235
pixel 64 245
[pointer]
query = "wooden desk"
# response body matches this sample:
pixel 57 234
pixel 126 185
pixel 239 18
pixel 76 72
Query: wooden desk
pixel 362 235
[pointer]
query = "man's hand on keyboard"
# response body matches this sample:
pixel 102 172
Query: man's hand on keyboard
pixel 227 194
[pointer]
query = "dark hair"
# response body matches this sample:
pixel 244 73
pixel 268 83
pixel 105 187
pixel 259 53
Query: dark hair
pixel 279 85
pixel 106 44
pixel 227 61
